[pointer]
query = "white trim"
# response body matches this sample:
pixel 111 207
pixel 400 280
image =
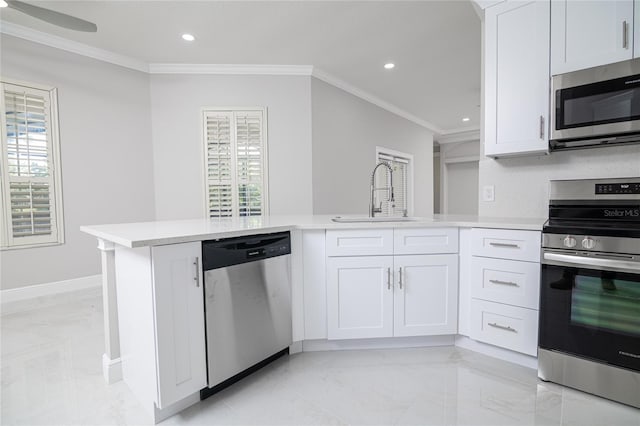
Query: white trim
pixel 25 33
pixel 111 369
pixel 219 69
pixel 46 289
pixel 458 136
pixel 343 85
pixel 467 159
pixel 380 343
pixel 497 352
pixel 230 69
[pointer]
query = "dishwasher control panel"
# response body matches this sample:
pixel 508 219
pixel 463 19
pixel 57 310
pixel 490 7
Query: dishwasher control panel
pixel 238 250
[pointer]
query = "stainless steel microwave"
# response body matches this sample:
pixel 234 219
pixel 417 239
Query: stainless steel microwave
pixel 596 106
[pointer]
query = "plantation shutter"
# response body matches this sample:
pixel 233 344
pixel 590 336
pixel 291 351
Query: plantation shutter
pixel 220 169
pixel 235 163
pixel 400 166
pixel 28 167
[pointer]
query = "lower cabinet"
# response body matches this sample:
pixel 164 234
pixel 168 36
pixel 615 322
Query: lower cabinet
pixel 385 296
pixel 161 322
pixel 179 321
pixel 506 326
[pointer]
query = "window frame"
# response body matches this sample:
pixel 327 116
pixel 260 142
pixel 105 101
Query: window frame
pixel 410 164
pixel 7 241
pixel 265 156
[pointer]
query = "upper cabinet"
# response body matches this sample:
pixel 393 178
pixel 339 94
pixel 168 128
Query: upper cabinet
pixel 516 78
pixel 586 34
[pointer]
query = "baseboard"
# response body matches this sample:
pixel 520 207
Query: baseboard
pixel 496 352
pixel 382 343
pixel 47 289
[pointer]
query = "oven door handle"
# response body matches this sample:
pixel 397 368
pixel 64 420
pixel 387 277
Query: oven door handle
pixel 599 263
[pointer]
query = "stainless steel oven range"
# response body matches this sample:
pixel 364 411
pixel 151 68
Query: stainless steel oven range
pixel 590 288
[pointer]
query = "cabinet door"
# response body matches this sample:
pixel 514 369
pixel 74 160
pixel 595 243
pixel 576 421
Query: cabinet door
pixel 179 320
pixel 359 297
pixel 516 78
pixel 426 295
pixel 586 34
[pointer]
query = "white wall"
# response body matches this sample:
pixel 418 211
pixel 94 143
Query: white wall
pixel 461 195
pixel 178 148
pixel 107 172
pixel 346 131
pixel 521 184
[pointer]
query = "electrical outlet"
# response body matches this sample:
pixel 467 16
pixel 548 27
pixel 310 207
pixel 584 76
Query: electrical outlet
pixel 488 193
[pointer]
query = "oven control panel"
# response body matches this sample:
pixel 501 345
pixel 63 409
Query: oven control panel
pixel 617 188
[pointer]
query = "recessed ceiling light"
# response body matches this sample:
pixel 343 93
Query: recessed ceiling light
pixel 3 3
pixel 188 37
pixel 466 119
pixel 389 66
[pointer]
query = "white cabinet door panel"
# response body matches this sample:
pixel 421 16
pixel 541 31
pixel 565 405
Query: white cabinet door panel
pixel 516 78
pixel 506 244
pixel 359 242
pixel 425 240
pixel 506 326
pixel 506 281
pixel 426 295
pixel 179 315
pixel 359 297
pixel 586 34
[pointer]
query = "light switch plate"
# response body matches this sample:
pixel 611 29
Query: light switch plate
pixel 488 193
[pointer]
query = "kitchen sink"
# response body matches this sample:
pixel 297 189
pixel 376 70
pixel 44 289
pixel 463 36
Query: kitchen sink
pixel 364 219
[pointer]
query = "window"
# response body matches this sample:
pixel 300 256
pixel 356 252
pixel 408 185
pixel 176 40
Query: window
pixel 31 192
pixel 402 182
pixel 235 162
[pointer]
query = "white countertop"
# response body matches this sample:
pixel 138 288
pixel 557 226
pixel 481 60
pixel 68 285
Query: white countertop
pixel 179 231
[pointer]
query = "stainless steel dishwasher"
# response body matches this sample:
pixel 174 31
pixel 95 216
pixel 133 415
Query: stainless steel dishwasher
pixel 247 287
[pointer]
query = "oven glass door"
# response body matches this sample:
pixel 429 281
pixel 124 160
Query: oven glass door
pixel 591 313
pixel 604 102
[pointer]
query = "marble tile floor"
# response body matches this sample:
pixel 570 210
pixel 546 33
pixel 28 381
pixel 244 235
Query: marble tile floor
pixel 51 375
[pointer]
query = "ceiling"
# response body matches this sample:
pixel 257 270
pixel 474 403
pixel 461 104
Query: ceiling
pixel 434 44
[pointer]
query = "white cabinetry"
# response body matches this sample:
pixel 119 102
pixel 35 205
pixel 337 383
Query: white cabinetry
pixel 504 288
pixel 161 323
pixel 516 78
pixel 586 34
pixel 379 295
pixel 359 297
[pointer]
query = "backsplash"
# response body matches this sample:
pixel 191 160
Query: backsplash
pixel 522 184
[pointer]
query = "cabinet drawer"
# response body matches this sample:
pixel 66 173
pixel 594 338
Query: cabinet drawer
pixel 506 326
pixel 506 281
pixel 359 242
pixel 425 240
pixel 506 244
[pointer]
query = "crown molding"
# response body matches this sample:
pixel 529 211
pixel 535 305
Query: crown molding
pixel 230 69
pixel 459 135
pixel 341 84
pixel 61 43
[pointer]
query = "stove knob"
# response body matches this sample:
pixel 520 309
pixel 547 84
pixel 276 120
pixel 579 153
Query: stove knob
pixel 588 243
pixel 569 241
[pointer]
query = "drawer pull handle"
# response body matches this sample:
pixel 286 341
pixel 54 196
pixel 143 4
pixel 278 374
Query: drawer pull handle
pixel 502 327
pixel 504 245
pixel 511 283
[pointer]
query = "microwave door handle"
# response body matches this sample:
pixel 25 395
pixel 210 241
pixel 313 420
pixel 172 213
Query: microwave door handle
pixel 591 261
